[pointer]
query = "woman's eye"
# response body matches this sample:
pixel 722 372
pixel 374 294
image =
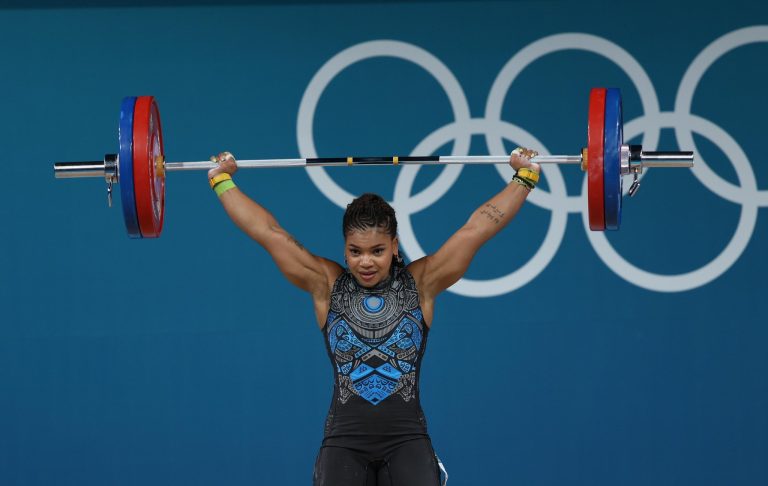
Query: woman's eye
pixel 378 252
pixel 354 252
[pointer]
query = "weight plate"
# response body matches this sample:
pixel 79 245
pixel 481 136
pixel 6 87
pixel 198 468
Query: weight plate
pixel 595 145
pixel 612 159
pixel 125 167
pixel 148 166
pixel 621 178
pixel 158 151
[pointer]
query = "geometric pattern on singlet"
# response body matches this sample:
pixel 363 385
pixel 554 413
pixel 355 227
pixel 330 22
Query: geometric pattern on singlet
pixel 375 337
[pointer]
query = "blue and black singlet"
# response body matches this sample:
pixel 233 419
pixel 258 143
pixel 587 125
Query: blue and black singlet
pixel 375 432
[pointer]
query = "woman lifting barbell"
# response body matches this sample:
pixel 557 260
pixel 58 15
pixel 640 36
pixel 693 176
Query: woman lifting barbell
pixel 375 315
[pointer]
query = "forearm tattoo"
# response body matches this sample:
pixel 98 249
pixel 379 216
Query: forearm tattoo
pixel 493 213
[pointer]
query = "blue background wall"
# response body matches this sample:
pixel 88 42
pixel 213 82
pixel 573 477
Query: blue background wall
pixel 189 360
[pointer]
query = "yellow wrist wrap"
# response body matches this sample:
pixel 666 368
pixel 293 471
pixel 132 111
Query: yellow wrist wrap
pixel 219 178
pixel 528 174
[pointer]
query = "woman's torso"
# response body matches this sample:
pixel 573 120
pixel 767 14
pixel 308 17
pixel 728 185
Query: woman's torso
pixel 375 340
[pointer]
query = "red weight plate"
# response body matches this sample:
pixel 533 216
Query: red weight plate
pixel 148 171
pixel 595 147
pixel 158 155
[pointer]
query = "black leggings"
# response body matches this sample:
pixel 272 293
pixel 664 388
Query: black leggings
pixel 410 463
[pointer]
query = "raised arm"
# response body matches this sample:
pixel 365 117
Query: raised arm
pixel 435 273
pixel 308 272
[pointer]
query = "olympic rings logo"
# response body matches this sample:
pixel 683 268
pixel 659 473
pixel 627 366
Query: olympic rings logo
pixel 556 200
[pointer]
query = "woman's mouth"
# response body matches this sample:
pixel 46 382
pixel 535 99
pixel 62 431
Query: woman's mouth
pixel 367 276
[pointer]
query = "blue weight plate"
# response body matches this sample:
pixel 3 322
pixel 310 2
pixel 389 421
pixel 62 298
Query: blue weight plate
pixel 612 159
pixel 125 167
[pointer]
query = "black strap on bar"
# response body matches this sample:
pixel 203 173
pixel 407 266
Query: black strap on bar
pixel 327 160
pixel 371 160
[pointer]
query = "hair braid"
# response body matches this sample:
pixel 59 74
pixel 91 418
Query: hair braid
pixel 369 211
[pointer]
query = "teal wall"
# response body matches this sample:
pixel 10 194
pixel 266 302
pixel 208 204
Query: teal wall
pixel 631 358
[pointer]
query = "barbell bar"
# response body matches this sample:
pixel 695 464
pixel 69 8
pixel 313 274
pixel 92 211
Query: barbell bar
pixel 140 166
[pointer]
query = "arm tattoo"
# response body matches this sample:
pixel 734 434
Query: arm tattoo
pixel 493 213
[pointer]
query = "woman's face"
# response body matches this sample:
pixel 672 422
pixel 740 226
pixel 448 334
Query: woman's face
pixel 369 255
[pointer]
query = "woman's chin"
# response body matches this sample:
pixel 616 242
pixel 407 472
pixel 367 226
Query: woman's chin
pixel 368 280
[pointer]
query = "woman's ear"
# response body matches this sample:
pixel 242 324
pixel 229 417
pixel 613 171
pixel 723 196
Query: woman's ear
pixel 396 250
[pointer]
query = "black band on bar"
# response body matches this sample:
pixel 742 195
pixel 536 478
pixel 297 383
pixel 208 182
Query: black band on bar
pixel 371 160
pixel 327 160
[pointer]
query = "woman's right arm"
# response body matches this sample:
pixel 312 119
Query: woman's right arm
pixel 307 271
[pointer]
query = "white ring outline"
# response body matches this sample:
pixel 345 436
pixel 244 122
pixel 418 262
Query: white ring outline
pixel 684 100
pixel 734 248
pixel 353 55
pixel 565 42
pixel 466 126
pixel 543 256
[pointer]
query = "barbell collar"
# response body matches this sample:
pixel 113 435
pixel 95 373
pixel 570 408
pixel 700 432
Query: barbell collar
pixel 111 168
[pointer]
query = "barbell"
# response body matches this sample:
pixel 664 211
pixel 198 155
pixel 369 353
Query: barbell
pixel 139 167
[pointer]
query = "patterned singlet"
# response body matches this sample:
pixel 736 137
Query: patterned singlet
pixel 376 339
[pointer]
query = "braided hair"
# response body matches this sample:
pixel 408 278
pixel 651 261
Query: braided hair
pixel 369 211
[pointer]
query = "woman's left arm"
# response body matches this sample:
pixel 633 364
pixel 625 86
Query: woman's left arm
pixel 435 273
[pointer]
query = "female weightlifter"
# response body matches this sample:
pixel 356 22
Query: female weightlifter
pixel 375 315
